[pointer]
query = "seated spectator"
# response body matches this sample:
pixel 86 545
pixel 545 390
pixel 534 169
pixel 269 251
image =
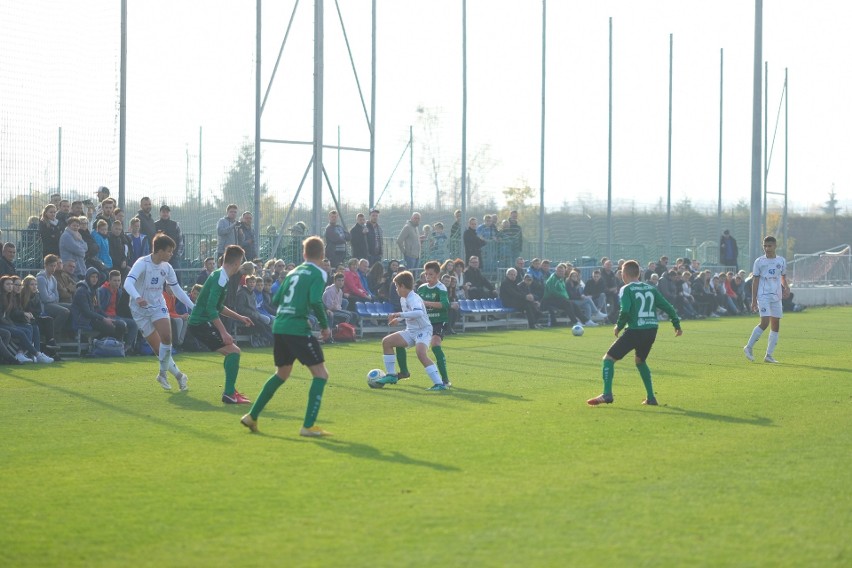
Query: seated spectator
pixel 594 289
pixel 84 316
pixel 520 268
pixel 66 281
pixel 246 305
pixel 266 294
pixel 20 335
pixel 689 305
pixel 209 267
pixel 389 289
pixel 101 236
pixel 584 303
pixel 119 245
pixel 722 292
pixel 652 269
pixel 453 314
pixel 352 288
pixel 48 291
pixel 479 286
pixel 178 318
pixel 376 281
pixel 31 313
pixel 514 297
pixel 333 300
pixel 556 296
pixel 109 298
pixel 612 285
pixel 363 275
pixel 92 248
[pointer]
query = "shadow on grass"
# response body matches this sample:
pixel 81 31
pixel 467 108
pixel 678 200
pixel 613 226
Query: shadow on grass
pixel 364 451
pixel 816 368
pixel 126 411
pixel 676 410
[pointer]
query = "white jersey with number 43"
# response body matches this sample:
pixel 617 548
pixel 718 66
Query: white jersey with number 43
pixel 769 270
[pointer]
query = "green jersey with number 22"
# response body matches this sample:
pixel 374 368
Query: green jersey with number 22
pixel 639 304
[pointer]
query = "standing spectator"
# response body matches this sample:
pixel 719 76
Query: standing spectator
pixel 473 243
pixel 102 193
pixel 246 237
pixel 662 266
pixel 72 247
pixel 172 229
pixel 336 237
pixel 48 291
pixel 55 198
pixel 408 242
pixel 49 230
pixel 92 248
pixel 119 215
pixel 139 242
pixel 728 250
pixel 62 214
pixel 7 262
pixel 107 213
pixel 375 236
pixel 119 245
pixel 109 298
pixel 146 222
pixel 101 237
pixel 440 243
pixel 360 237
pixel 514 234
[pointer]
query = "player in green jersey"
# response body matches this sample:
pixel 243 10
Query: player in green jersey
pixel 206 326
pixel 299 295
pixel 437 302
pixel 639 303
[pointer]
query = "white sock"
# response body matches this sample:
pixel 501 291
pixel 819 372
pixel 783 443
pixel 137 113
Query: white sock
pixel 432 371
pixel 165 357
pixel 773 341
pixel 390 364
pixel 755 335
pixel 173 368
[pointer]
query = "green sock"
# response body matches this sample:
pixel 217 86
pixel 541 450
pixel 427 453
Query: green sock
pixel 265 395
pixel 232 367
pixel 441 360
pixel 402 360
pixel 314 401
pixel 608 372
pixel 645 373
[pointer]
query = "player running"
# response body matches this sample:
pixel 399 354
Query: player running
pixel 299 294
pixel 768 287
pixel 639 303
pixel 206 326
pixel 144 284
pixel 417 332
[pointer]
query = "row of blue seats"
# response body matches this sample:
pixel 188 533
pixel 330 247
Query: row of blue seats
pixel 374 309
pixel 490 306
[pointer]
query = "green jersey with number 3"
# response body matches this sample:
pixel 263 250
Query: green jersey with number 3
pixel 639 304
pixel 299 294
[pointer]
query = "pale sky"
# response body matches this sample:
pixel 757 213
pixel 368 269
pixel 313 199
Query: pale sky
pixel 191 65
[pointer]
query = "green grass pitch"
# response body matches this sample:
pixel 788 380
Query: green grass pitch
pixel 743 463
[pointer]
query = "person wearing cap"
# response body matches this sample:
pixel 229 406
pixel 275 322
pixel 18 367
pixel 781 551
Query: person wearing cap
pixel 375 244
pixel 166 225
pixel 728 250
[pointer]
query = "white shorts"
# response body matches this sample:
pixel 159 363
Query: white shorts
pixel 412 337
pixel 145 317
pixel 769 307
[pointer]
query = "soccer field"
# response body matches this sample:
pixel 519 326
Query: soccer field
pixel 741 464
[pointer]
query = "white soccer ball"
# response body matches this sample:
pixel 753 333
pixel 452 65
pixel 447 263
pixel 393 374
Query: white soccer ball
pixel 577 330
pixel 374 376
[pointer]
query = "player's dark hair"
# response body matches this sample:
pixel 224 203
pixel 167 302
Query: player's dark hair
pixel 404 279
pixel 162 241
pixel 432 265
pixel 314 248
pixel 631 268
pixel 233 254
pixel 769 239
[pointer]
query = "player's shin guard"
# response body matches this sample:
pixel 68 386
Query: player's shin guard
pixel 441 360
pixel 314 401
pixel 755 335
pixel 773 341
pixel 232 367
pixel 607 370
pixel 165 357
pixel 402 360
pixel 265 395
pixel 645 373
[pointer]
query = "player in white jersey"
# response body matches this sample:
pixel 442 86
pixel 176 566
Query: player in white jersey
pixel 768 287
pixel 417 332
pixel 145 284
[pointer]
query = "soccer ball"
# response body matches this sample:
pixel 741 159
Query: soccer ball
pixel 374 376
pixel 577 330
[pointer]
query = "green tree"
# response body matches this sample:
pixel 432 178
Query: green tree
pixel 239 183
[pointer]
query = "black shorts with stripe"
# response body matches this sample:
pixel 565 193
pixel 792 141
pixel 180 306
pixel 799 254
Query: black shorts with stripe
pixel 289 348
pixel 639 339
pixel 207 335
pixel 439 329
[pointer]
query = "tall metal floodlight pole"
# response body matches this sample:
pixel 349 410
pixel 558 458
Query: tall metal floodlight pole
pixel 257 113
pixel 755 244
pixel 721 98
pixel 786 101
pixel 372 116
pixel 764 223
pixel 199 164
pixel 59 164
pixel 464 126
pixel 543 101
pixel 669 182
pixel 318 114
pixel 122 107
pixel 609 155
